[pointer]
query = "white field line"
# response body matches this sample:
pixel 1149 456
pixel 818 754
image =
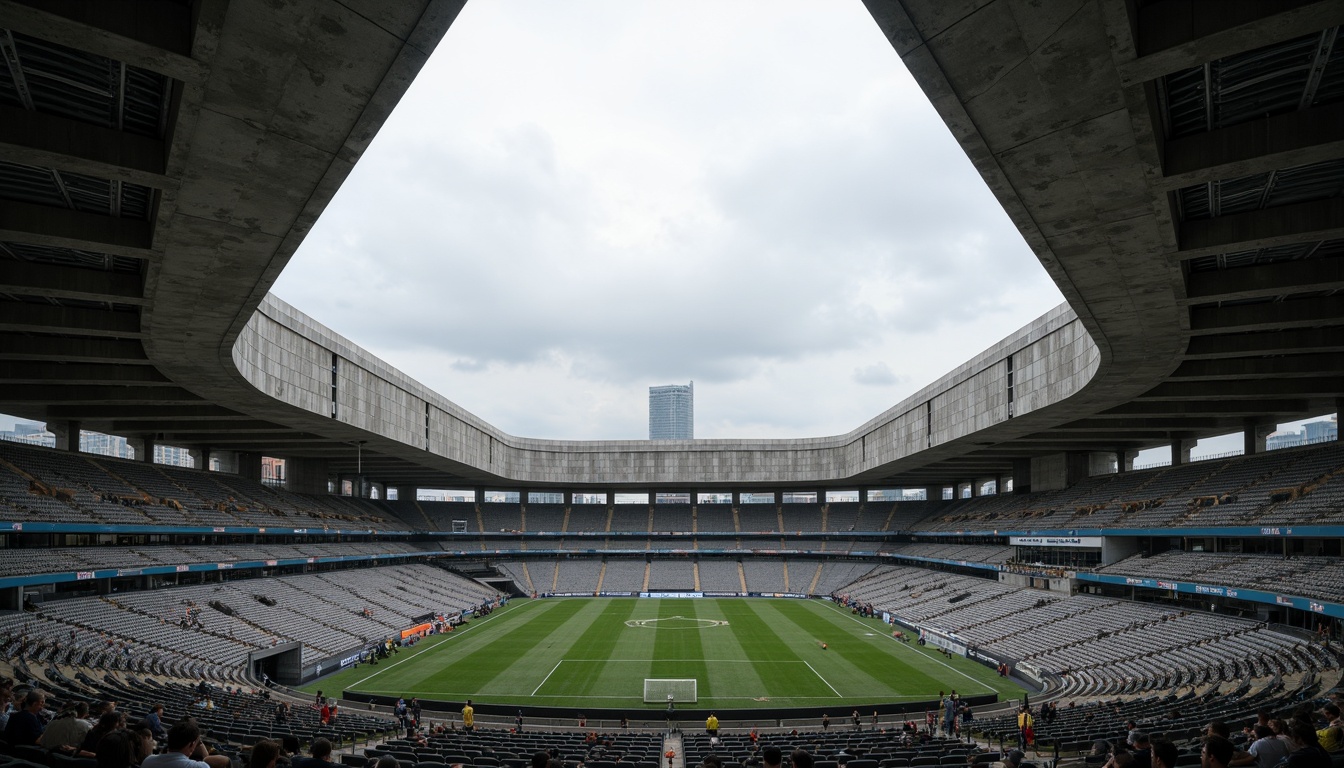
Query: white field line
pixel 547 677
pixel 822 679
pixel 442 644
pixel 979 685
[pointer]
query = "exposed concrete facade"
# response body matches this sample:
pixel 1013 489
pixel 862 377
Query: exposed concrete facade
pixel 166 332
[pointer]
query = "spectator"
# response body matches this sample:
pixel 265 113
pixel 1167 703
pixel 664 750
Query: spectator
pixel 1331 737
pixel 320 756
pixel 712 724
pixel 1217 752
pixel 1282 733
pixel 1265 752
pixel 1309 753
pixel 1143 749
pixel 117 749
pixel 25 726
pixel 155 721
pixel 1164 754
pixel 265 754
pixel 185 750
pixel 772 757
pixel 109 722
pixel 66 733
pixel 800 758
pixel 540 759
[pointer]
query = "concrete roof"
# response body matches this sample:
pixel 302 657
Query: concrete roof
pixel 1177 167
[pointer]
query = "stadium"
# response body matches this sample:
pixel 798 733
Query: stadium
pixel 1176 166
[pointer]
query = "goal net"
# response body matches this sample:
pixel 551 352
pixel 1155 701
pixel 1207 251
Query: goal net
pixel 662 691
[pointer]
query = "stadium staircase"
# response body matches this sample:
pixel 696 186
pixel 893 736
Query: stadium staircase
pixel 816 577
pixel 429 524
pixel 647 568
pixel 742 576
pixel 825 514
pixel 601 574
pixel 779 518
pixel 786 576
pixel 531 588
pixel 564 524
pixel 695 571
pixel 480 519
pixel 673 743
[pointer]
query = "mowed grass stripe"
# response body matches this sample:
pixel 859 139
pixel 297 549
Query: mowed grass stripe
pixel 858 662
pixel 678 653
pixel 408 661
pixel 782 672
pixel 729 663
pixel 536 636
pixel 951 674
pixel 587 669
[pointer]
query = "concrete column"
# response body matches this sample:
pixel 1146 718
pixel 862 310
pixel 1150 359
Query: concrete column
pixel 67 435
pixel 933 492
pixel 227 460
pixel 569 498
pixel 1255 437
pixel 821 495
pixel 200 457
pixel 779 498
pixel 480 494
pixel 307 476
pixel 249 466
pixel 1077 467
pixel 975 489
pixel 1180 450
pixel 737 498
pixel 1021 476
pixel 143 447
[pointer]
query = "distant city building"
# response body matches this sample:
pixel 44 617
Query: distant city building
pixel 672 412
pixel 97 443
pixel 1322 431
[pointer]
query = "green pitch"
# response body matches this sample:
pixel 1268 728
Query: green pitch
pixel 743 652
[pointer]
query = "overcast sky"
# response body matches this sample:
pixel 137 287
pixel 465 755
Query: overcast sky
pixel 575 201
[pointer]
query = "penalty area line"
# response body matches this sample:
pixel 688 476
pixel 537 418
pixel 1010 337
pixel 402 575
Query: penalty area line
pixel 547 677
pixel 441 644
pixel 939 662
pixel 822 679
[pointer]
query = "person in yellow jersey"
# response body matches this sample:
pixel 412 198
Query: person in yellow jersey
pixel 712 724
pixel 468 717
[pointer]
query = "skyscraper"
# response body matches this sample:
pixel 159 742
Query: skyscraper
pixel 672 412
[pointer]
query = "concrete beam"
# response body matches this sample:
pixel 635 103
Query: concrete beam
pixel 130 427
pixel 69 349
pixel 42 372
pixel 1253 389
pixel 150 34
pixel 1283 225
pixel 1325 364
pixel 64 228
pixel 27 394
pixel 158 414
pixel 1174 421
pixel 1265 343
pixel 1277 279
pixel 1282 141
pixel 62 282
pixel 48 141
pixel 1179 34
pixel 1294 313
pixel 1210 407
pixel 39 318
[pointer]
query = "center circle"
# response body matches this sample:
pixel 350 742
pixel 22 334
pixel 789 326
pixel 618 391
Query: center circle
pixel 676 622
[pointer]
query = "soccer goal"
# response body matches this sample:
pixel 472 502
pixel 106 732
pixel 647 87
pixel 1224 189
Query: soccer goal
pixel 660 691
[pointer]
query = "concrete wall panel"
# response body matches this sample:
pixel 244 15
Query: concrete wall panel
pixel 285 365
